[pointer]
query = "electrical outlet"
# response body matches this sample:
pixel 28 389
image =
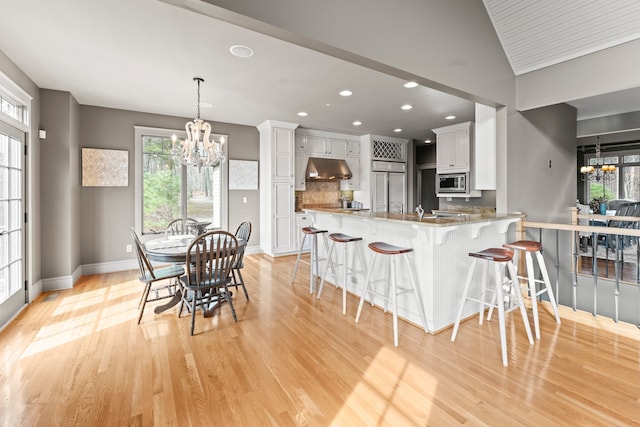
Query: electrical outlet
pixel 129 248
pixel 244 200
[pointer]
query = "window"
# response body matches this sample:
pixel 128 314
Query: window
pixel 625 184
pixel 166 190
pixel 612 255
pixel 15 111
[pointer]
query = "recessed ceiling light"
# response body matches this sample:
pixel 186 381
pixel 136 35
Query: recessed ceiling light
pixel 241 51
pixel 407 107
pixel 346 92
pixel 302 114
pixel 450 117
pixel 397 130
pixel 410 85
pixel 427 141
pixel 357 123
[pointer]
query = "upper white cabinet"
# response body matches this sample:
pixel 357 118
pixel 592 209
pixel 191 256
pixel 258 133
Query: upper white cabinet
pixel 315 145
pixel 318 146
pixel 337 148
pixel 300 172
pixel 300 144
pixel 454 148
pixel 353 148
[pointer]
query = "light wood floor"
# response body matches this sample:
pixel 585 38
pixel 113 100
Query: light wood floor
pixel 80 359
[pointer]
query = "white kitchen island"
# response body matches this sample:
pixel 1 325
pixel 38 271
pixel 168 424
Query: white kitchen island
pixel 441 247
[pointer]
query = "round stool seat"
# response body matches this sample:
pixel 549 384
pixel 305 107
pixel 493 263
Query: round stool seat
pixel 494 254
pixel 387 249
pixel 312 230
pixel 343 238
pixel 524 245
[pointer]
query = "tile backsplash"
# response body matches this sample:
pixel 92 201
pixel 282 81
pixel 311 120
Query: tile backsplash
pixel 319 194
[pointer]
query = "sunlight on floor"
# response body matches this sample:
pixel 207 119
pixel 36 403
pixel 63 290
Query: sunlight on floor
pixel 94 317
pixel 387 392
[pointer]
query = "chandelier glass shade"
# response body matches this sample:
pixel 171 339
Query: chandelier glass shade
pixel 600 172
pixel 198 149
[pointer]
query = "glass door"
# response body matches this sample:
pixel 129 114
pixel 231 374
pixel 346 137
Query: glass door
pixel 13 294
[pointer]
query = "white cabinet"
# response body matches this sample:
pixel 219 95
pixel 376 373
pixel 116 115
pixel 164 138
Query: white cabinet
pixel 316 146
pixel 300 143
pixel 282 142
pixel 352 183
pixel 453 148
pixel 321 146
pixel 337 148
pixel 300 171
pixel 353 148
pixel 277 202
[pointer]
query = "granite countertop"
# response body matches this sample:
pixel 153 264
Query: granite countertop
pixel 466 217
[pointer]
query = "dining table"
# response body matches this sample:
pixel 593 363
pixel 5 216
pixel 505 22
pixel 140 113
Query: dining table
pixel 173 249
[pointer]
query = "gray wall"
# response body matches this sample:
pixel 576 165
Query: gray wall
pixel 60 195
pixel 33 205
pixel 546 135
pixel 606 71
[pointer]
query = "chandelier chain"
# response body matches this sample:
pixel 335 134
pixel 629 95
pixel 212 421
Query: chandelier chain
pixel 198 80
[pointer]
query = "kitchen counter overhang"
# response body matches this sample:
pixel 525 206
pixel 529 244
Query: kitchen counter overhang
pixel 441 247
pixel 435 220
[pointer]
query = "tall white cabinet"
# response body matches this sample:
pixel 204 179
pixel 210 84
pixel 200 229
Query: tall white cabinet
pixel 277 201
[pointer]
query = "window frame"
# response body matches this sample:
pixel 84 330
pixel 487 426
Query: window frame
pixel 620 154
pixel 141 131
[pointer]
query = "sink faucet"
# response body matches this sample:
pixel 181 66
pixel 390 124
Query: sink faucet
pixel 420 212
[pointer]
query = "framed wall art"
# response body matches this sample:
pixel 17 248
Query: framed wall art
pixel 243 174
pixel 105 168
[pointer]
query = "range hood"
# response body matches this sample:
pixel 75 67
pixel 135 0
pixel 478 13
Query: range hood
pixel 319 169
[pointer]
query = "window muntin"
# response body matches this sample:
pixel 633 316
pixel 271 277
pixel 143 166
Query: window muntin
pixel 167 190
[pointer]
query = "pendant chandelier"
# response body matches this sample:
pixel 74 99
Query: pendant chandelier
pixel 600 172
pixel 198 149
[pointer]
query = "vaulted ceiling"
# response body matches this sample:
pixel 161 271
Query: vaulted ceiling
pixel 131 54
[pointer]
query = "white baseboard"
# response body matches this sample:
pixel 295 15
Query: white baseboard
pixel 61 282
pixel 67 282
pixel 35 291
pixel 109 267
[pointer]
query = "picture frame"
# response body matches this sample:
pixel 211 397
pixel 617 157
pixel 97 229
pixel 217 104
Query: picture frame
pixel 243 174
pixel 105 168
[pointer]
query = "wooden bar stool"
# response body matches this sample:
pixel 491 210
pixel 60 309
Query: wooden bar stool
pixel 381 248
pixel 314 260
pixel 501 258
pixel 346 239
pixel 530 247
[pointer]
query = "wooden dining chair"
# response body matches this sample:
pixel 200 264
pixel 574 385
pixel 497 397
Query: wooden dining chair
pixel 243 232
pixel 209 262
pixel 182 226
pixel 150 275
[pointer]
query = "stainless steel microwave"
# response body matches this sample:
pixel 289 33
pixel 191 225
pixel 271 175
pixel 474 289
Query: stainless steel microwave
pixel 452 183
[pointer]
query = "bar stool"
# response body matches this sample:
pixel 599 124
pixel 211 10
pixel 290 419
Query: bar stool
pixel 501 258
pixel 381 248
pixel 529 247
pixel 314 260
pixel 346 239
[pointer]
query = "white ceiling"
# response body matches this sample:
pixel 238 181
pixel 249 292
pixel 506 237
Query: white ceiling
pixel 141 55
